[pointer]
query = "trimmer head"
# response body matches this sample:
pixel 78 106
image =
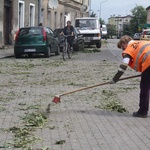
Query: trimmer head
pixel 56 99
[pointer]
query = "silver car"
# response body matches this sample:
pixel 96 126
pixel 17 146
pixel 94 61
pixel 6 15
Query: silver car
pixel 137 36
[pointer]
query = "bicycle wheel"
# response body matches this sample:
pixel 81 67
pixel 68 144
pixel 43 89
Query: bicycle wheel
pixel 70 50
pixel 64 53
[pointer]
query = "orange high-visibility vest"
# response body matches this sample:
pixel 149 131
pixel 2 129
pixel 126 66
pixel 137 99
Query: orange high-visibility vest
pixel 140 53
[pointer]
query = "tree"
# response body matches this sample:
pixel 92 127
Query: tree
pixel 111 30
pixel 92 14
pixel 139 16
pixel 127 30
pixel 101 21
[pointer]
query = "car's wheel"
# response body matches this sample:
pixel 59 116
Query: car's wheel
pixel 76 47
pixel 17 55
pixel 82 46
pixel 48 52
pixel 58 51
pixel 98 45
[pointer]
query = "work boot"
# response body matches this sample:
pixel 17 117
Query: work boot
pixel 138 114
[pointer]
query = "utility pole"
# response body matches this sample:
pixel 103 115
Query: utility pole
pixel 100 8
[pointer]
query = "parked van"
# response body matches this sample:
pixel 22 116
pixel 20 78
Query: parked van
pixel 104 31
pixel 89 27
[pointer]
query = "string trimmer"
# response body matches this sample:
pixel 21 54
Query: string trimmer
pixel 57 97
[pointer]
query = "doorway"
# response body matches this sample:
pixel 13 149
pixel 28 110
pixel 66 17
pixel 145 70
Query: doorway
pixel 7 22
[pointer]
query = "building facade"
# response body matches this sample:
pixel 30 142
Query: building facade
pixel 56 17
pixel 15 14
pixel 119 22
pixel 148 14
pixel 53 13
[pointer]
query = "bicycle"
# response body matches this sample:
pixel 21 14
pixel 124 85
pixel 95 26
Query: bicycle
pixel 67 50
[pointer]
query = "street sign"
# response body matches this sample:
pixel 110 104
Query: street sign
pixel 144 26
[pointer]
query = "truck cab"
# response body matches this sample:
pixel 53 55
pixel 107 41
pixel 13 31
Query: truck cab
pixel 89 27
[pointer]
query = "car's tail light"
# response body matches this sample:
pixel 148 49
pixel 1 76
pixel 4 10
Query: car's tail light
pixel 44 34
pixel 16 36
pixel 144 33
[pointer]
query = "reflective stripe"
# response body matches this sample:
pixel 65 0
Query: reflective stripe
pixel 145 56
pixel 139 54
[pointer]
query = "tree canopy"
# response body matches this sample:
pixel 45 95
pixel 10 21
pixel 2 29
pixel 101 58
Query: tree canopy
pixel 139 16
pixel 92 14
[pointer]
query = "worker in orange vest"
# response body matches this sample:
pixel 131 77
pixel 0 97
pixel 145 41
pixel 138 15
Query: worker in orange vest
pixel 136 54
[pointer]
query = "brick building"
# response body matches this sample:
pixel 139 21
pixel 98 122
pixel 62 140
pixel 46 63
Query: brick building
pixel 19 13
pixel 15 14
pixel 148 14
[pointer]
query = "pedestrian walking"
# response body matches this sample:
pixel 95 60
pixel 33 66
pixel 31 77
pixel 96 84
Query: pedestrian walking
pixel 136 54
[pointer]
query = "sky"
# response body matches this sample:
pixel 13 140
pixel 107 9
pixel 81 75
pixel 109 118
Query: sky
pixel 115 7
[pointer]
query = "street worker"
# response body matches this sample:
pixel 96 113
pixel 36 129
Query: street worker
pixel 68 30
pixel 136 54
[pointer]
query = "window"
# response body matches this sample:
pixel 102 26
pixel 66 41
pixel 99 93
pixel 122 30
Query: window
pixel 42 15
pixel 47 30
pixel 32 14
pixel 61 20
pixel 51 32
pixel 55 19
pixel 78 1
pixel 49 18
pixel 21 14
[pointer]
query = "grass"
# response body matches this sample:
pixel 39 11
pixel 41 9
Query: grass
pixel 60 142
pixel 90 51
pixel 111 102
pixel 35 119
pixel 24 136
pixel 2 108
pixel 21 77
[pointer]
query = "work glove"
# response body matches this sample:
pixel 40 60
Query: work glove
pixel 112 82
pixel 116 77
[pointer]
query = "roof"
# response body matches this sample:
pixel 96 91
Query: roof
pixel 148 8
pixel 87 18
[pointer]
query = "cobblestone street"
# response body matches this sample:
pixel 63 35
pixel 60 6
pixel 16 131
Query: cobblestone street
pixel 84 120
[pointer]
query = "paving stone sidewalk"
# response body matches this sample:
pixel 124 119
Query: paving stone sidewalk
pixel 6 52
pixel 77 123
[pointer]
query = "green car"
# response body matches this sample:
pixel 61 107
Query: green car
pixel 36 39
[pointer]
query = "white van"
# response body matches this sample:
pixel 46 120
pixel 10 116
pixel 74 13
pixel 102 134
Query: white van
pixel 89 27
pixel 104 31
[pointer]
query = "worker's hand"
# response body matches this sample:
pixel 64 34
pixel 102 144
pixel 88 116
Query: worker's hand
pixel 116 77
pixel 112 82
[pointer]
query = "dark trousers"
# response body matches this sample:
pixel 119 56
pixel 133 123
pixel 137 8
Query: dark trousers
pixel 144 91
pixel 70 40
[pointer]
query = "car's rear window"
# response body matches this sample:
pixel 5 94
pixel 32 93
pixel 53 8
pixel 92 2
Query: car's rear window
pixel 58 31
pixel 30 31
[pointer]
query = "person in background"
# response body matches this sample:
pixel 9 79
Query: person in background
pixel 40 24
pixel 68 30
pixel 136 54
